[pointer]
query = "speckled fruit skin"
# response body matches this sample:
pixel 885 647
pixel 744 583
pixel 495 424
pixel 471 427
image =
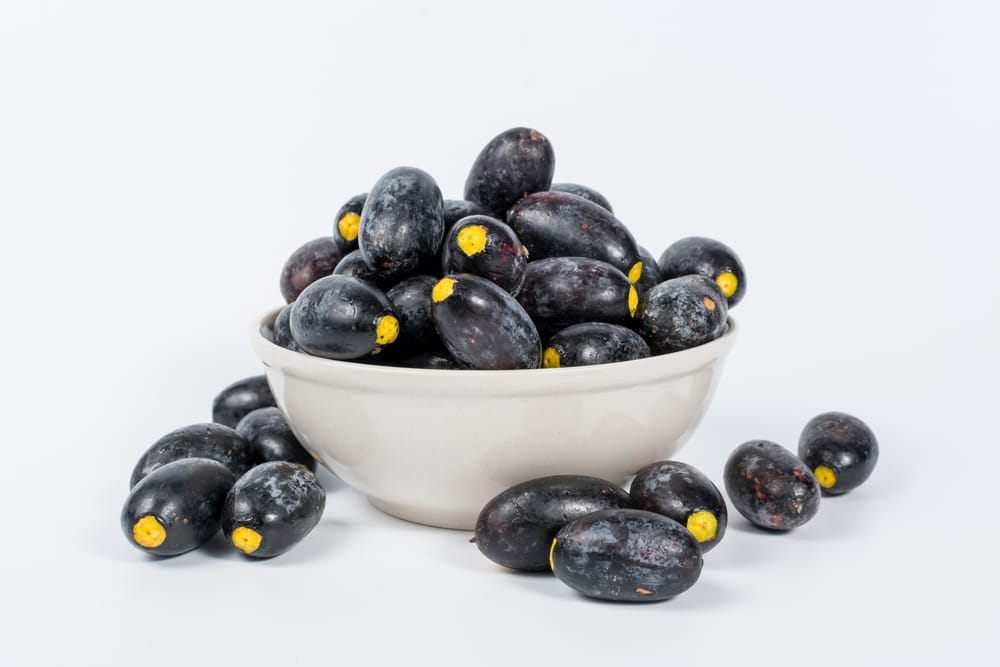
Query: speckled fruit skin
pixel 770 486
pixel 485 328
pixel 513 164
pixel 336 317
pixel 590 343
pixel 402 223
pixel 241 398
pixel 559 224
pixel 353 205
pixel 626 555
pixel 650 276
pixel 310 262
pixel 211 441
pixel 502 261
pixel 844 444
pixel 411 301
pixel 704 256
pixel 585 192
pixel 279 500
pixel 185 497
pixel 456 209
pixel 515 529
pixel 681 313
pixel 282 330
pixel 272 439
pixel 677 490
pixel 353 265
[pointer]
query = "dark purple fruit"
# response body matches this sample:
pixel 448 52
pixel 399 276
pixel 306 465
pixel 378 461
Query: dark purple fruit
pixel 770 486
pixel 411 301
pixel 840 449
pixel 560 291
pixel 339 317
pixel 558 224
pixel 439 360
pixel 178 507
pixel 680 313
pixel 707 257
pixel 456 209
pixel 484 246
pixel 592 343
pixel 516 528
pixel 402 224
pixel 282 330
pixel 650 275
pixel 309 263
pixel 627 555
pixel 347 222
pixel 210 441
pixel 686 495
pixel 483 326
pixel 240 399
pixel 271 508
pixel 353 265
pixel 589 194
pixel 513 164
pixel 272 439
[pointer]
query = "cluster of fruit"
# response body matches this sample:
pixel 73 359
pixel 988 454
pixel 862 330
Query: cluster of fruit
pixel 647 544
pixel 245 473
pixel 410 279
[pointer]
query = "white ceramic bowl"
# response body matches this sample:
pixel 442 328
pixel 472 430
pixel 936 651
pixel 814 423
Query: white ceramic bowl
pixel 433 446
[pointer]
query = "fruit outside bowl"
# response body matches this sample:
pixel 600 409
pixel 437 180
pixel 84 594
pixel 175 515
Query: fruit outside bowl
pixel 434 446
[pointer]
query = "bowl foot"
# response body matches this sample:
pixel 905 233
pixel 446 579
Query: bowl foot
pixel 427 516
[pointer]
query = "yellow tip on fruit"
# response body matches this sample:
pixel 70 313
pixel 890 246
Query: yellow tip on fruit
pixel 552 550
pixel 348 226
pixel 246 539
pixel 472 239
pixel 443 289
pixel 550 358
pixel 728 283
pixel 386 330
pixel 148 532
pixel 633 300
pixel 825 476
pixel 527 254
pixel 703 525
pixel 635 272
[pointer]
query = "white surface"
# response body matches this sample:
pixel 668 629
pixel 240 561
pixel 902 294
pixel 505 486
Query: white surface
pixel 158 162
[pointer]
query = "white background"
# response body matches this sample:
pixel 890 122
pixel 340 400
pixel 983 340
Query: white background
pixel 159 161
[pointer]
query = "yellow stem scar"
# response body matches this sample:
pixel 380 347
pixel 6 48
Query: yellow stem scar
pixel 443 289
pixel 348 226
pixel 386 330
pixel 148 532
pixel 246 539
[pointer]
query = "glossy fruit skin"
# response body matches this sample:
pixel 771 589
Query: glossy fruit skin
pixel 681 313
pixel 353 265
pixel 402 223
pixel 185 497
pixel 590 343
pixel 770 486
pixel 502 260
pixel 272 439
pixel 353 206
pixel 411 301
pixel 484 327
pixel 626 555
pixel 585 192
pixel 434 359
pixel 559 224
pixel 515 528
pixel 514 163
pixel 561 291
pixel 282 330
pixel 678 490
pixel 456 209
pixel 210 441
pixel 310 262
pixel 707 257
pixel 650 276
pixel 281 501
pixel 842 443
pixel 240 399
pixel 337 317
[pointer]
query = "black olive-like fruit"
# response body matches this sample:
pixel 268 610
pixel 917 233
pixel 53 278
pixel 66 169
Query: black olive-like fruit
pixel 310 262
pixel 272 508
pixel 271 438
pixel 585 192
pixel 178 507
pixel 513 164
pixel 840 449
pixel 241 398
pixel 770 486
pixel 627 555
pixel 650 275
pixel 411 301
pixel 282 330
pixel 707 257
pixel 680 313
pixel 686 495
pixel 347 221
pixel 353 265
pixel 339 317
pixel 590 343
pixel 484 246
pixel 434 359
pixel 210 441
pixel 483 326
pixel 516 528
pixel 456 209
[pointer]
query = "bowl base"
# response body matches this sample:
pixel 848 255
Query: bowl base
pixel 426 516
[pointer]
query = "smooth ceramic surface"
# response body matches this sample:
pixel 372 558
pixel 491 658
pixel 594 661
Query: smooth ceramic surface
pixel 433 446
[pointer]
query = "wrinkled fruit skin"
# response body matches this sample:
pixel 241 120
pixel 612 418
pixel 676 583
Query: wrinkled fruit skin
pixel 707 257
pixel 681 313
pixel 591 343
pixel 589 194
pixel 345 221
pixel 844 445
pixel 411 301
pixel 185 498
pixel 280 502
pixel 770 486
pixel 513 164
pixel 211 441
pixel 499 256
pixel 515 529
pixel 240 399
pixel 456 209
pixel 272 439
pixel 627 555
pixel 679 491
pixel 650 276
pixel 309 263
pixel 282 331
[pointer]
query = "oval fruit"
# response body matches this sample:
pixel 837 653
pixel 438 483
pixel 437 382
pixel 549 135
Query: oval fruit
pixel 484 246
pixel 310 262
pixel 515 529
pixel 513 164
pixel 769 486
pixel 686 495
pixel 347 222
pixel 353 265
pixel 707 257
pixel 456 209
pixel 840 450
pixel 241 398
pixel 626 555
pixel 592 343
pixel 271 438
pixel 282 331
pixel 411 301
pixel 583 191
pixel 211 441
pixel 680 313
pixel 649 276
